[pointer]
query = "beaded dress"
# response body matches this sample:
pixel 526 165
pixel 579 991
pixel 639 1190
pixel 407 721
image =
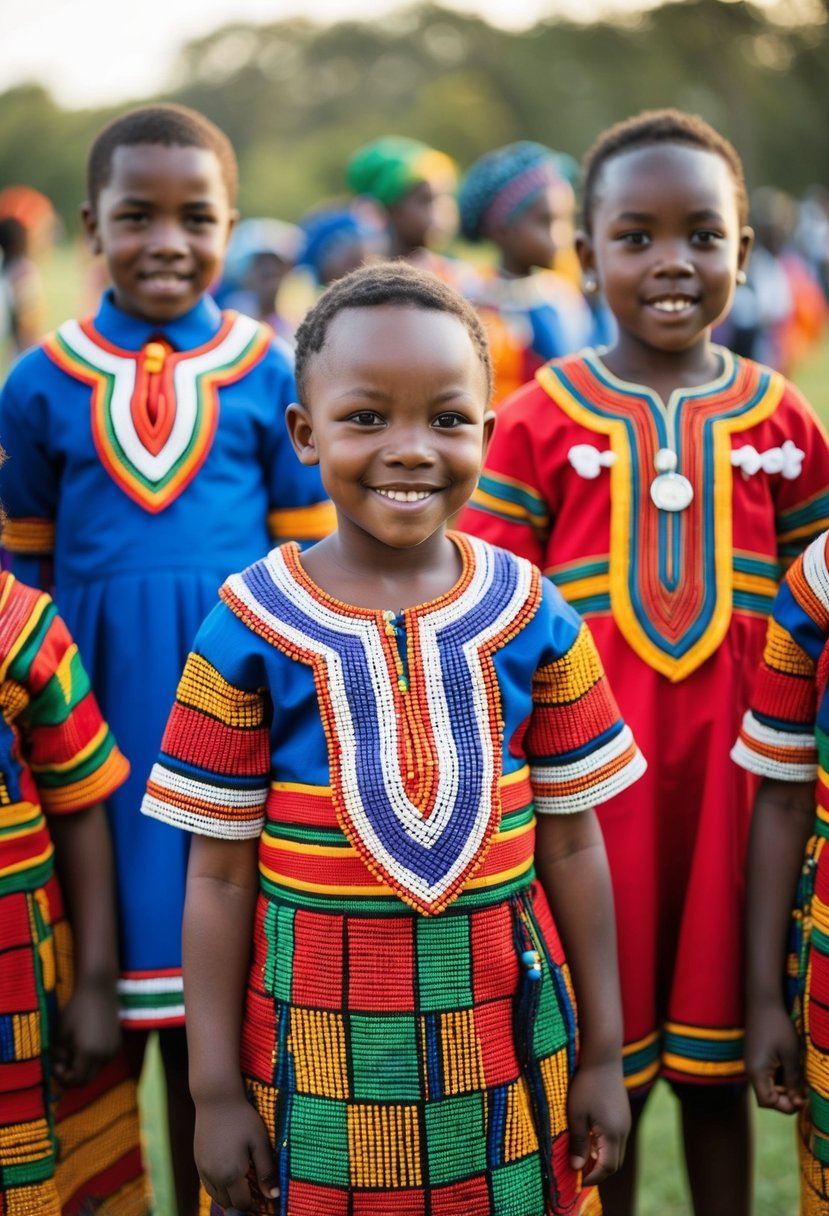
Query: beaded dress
pixel 785 736
pixel 409 1027
pixel 57 756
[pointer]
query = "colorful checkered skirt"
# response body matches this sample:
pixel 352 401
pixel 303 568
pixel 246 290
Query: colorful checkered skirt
pixel 808 975
pixel 96 1126
pixel 406 1063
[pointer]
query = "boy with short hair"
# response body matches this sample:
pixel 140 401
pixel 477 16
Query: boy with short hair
pixel 150 458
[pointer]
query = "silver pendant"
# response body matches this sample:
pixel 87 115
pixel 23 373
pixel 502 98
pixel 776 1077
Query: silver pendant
pixel 671 492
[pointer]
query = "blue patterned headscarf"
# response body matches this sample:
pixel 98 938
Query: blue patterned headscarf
pixel 328 230
pixel 501 183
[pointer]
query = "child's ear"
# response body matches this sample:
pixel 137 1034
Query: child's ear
pixel 587 261
pixel 301 431
pixel 89 221
pixel 746 245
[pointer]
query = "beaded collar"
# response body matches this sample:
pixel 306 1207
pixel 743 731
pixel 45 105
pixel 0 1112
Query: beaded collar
pixel 415 764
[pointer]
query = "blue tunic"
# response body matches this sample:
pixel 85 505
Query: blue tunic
pixel 141 541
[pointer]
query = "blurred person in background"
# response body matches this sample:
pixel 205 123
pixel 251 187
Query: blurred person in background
pixel 791 306
pixel 413 186
pixel 338 238
pixel 260 254
pixel 27 231
pixel 519 199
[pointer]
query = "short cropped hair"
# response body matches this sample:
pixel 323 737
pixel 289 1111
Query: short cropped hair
pixel 658 127
pixel 396 284
pixel 173 126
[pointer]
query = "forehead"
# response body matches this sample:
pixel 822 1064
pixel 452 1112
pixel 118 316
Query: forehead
pixel 382 340
pixel 643 179
pixel 146 167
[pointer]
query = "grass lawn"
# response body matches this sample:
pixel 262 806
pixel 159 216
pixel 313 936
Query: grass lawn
pixel 663 1191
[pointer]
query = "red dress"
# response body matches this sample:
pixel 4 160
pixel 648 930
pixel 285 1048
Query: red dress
pixel 677 601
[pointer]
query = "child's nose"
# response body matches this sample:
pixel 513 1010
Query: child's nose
pixel 167 237
pixel 675 259
pixel 410 446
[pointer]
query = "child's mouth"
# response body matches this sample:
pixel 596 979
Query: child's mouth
pixel 673 304
pixel 404 495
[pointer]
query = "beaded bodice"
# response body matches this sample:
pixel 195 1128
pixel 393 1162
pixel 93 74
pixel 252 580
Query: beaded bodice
pixel 414 742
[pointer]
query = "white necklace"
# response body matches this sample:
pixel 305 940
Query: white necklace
pixel 670 491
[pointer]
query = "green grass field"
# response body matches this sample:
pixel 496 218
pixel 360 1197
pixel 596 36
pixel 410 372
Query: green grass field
pixel 663 1191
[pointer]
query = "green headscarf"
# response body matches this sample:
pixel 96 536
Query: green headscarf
pixel 388 168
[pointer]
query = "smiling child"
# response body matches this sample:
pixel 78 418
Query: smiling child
pixel 660 484
pixel 148 457
pixel 408 730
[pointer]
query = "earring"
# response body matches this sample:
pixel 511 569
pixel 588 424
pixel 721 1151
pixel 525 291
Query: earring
pixel 742 277
pixel 590 284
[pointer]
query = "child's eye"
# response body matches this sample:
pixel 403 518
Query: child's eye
pixel 636 239
pixel 448 421
pixel 706 236
pixel 201 219
pixel 366 418
pixel 133 217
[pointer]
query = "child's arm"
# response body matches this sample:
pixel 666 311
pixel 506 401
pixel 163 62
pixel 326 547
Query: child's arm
pixel 88 1032
pixel 572 867
pixel 783 820
pixel 222 884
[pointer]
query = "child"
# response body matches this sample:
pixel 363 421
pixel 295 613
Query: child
pixel 149 457
pixel 518 198
pixel 337 241
pixel 659 484
pixel 261 254
pixel 413 185
pixel 57 761
pixel 784 738
pixel 375 719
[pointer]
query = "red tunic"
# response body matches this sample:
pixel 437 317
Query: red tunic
pixel 677 602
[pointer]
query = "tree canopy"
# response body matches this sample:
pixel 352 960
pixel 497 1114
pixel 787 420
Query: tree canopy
pixel 297 97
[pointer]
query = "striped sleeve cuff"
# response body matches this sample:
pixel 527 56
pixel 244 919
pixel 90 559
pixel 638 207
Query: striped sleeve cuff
pixel 561 789
pixel 204 807
pixel 781 755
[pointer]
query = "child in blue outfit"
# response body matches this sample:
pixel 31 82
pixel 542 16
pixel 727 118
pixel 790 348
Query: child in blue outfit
pixel 150 458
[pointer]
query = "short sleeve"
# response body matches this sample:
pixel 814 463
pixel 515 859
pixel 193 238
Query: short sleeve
pixel 68 747
pixel 213 772
pixel 777 736
pixel 580 750
pixel 298 505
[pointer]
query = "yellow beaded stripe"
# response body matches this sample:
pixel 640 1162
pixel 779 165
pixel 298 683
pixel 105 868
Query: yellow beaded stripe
pixel 317 1044
pixel 203 688
pixel 384 1146
pixel 570 677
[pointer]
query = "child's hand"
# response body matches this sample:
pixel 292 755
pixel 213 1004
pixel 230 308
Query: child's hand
pixel 773 1059
pixel 230 1135
pixel 599 1120
pixel 89 1033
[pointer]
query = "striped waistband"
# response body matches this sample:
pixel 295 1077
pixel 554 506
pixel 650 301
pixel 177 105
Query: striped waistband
pixel 305 858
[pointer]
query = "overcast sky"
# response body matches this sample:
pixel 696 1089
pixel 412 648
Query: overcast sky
pixel 90 52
